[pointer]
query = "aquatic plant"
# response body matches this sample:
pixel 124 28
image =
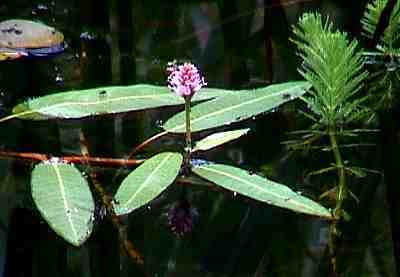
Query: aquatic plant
pixel 184 79
pixel 60 191
pixel 389 42
pixel 383 60
pixel 181 217
pixel 385 55
pixel 334 67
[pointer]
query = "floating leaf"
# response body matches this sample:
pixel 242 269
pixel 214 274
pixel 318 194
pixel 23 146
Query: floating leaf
pixel 217 139
pixel 237 106
pixel 63 198
pixel 259 188
pixel 147 181
pixel 103 100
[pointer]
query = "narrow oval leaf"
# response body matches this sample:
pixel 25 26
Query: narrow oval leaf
pixel 259 188
pixel 103 100
pixel 63 198
pixel 237 106
pixel 147 181
pixel 217 139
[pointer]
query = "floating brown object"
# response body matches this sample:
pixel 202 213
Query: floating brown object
pixel 19 38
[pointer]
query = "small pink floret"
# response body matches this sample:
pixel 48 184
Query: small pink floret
pixel 185 79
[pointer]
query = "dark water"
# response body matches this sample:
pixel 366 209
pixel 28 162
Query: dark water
pixel 128 42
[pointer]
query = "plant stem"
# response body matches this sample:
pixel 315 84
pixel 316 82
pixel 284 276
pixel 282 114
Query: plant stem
pixel 341 195
pixel 188 148
pixel 137 149
pixel 146 142
pixel 71 159
pixel 106 200
pixel 107 203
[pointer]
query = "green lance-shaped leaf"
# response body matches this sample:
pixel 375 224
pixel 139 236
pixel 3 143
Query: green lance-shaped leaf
pixel 147 181
pixel 63 198
pixel 217 139
pixel 103 100
pixel 259 188
pixel 237 106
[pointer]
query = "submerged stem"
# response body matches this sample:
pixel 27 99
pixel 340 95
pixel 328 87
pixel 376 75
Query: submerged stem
pixel 146 142
pixel 341 195
pixel 106 200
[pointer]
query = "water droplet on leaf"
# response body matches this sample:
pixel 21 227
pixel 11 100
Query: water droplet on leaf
pixel 87 36
pixel 156 61
pixel 59 79
pixel 391 65
pixel 199 162
pixel 159 123
pixel 370 60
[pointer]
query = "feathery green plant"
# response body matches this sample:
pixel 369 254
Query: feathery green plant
pixel 334 68
pixel 384 81
pixel 389 43
pixel 384 85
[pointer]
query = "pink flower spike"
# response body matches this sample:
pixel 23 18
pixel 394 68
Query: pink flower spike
pixel 185 79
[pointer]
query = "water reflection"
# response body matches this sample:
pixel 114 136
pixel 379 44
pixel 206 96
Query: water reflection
pixel 237 44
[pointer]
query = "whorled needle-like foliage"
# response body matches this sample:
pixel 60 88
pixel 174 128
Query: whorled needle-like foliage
pixel 383 85
pixel 334 67
pixel 389 43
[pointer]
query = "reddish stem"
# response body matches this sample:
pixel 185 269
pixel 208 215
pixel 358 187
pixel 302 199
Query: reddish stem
pixel 71 159
pixel 146 142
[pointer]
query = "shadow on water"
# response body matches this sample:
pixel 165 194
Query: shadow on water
pixel 237 44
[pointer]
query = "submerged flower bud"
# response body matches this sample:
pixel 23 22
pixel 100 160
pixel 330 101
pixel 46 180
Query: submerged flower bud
pixel 185 79
pixel 181 217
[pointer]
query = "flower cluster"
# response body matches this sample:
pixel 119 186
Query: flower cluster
pixel 184 79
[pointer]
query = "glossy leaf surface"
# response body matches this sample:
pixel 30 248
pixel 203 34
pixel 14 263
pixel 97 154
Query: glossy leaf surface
pixel 63 198
pixel 259 188
pixel 147 181
pixel 237 106
pixel 217 139
pixel 103 100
